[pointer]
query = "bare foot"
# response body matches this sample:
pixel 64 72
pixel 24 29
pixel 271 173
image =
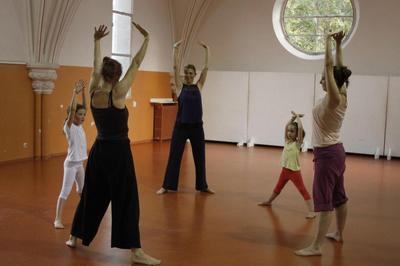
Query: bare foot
pixel 335 236
pixel 139 257
pixel 71 242
pixel 208 190
pixel 265 203
pixel 311 215
pixel 58 224
pixel 309 251
pixel 162 191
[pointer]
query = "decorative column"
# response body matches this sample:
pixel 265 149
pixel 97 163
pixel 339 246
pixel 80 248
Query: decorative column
pixel 37 133
pixel 47 22
pixel 43 77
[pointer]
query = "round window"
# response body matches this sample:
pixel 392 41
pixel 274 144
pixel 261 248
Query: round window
pixel 301 25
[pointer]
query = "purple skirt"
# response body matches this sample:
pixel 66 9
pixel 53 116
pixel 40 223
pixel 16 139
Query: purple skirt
pixel 328 185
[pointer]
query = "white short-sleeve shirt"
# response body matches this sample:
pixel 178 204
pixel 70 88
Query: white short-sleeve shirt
pixel 76 137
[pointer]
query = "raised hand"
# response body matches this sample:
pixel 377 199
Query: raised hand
pixel 338 36
pixel 79 86
pixel 100 32
pixel 178 43
pixel 294 114
pixel 141 30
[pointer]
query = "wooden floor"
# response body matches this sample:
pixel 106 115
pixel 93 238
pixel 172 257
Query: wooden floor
pixel 191 229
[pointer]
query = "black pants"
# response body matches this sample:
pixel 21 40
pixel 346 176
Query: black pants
pixel 110 176
pixel 181 133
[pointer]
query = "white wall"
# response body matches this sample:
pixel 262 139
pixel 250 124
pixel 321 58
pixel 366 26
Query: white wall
pixel 154 16
pixel 13 44
pixel 179 9
pixel 78 43
pixel 241 37
pixel 271 98
pixel 393 118
pixel 225 104
pixel 77 49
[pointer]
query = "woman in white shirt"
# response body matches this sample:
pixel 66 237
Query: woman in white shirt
pixel 329 155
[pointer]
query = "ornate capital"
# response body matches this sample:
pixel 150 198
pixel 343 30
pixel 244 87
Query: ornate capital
pixel 47 22
pixel 43 77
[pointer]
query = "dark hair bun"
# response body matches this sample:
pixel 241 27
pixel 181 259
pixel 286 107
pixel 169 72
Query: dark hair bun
pixel 341 75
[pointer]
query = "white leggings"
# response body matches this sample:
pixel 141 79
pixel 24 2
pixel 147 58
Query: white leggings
pixel 73 171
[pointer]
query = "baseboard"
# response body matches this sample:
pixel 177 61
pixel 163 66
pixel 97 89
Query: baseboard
pixel 47 157
pixel 60 154
pixel 141 141
pixel 21 160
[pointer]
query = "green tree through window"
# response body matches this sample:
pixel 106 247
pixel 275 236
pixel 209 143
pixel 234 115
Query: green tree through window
pixel 306 22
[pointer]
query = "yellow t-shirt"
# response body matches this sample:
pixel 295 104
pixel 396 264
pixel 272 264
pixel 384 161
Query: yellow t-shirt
pixel 290 156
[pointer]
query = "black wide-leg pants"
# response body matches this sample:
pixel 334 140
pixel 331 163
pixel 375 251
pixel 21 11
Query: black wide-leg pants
pixel 110 176
pixel 182 132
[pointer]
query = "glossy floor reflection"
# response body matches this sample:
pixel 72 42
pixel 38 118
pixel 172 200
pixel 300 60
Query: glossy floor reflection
pixel 190 229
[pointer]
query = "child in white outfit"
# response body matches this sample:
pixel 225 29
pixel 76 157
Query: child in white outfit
pixel 77 152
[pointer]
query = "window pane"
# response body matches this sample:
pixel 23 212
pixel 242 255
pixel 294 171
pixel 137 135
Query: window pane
pixel 121 35
pixel 299 8
pixel 335 7
pixel 123 6
pixel 334 24
pixel 306 22
pixel 304 43
pixel 296 26
pixel 320 44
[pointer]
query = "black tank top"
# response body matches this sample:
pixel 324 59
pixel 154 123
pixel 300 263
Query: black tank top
pixel 190 109
pixel 111 122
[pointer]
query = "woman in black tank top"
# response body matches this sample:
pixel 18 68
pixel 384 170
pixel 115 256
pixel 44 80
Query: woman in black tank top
pixel 110 172
pixel 188 125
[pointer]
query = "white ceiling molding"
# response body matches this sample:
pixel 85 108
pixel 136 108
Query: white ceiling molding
pixel 194 14
pixel 48 22
pixel 171 20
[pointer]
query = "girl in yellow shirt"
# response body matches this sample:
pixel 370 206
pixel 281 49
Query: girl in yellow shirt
pixel 294 135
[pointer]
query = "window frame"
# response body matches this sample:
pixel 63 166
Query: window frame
pixel 130 15
pixel 278 25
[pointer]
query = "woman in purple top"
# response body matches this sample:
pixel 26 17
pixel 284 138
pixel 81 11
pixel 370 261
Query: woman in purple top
pixel 188 125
